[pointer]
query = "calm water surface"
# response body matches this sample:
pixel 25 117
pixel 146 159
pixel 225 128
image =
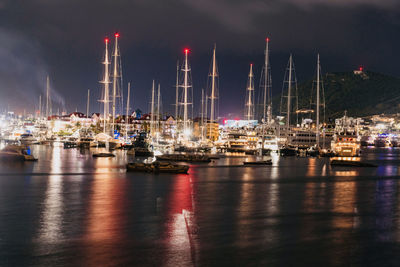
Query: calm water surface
pixel 69 209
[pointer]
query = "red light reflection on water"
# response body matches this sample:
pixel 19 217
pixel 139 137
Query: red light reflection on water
pixel 179 207
pixel 105 221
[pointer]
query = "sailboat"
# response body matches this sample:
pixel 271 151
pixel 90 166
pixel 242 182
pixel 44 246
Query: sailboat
pixel 127 141
pixel 308 137
pixel 116 91
pixel 104 139
pixel 268 141
pixel 186 100
pixel 184 128
pixel 212 132
pixel 287 148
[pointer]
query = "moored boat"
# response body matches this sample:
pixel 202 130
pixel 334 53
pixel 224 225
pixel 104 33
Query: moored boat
pixel 351 163
pixel 16 153
pixel 103 155
pixel 184 157
pixel 263 162
pixel 157 167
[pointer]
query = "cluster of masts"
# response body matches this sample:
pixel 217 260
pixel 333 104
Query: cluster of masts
pixel 116 82
pixel 112 90
pixel 209 114
pixel 184 94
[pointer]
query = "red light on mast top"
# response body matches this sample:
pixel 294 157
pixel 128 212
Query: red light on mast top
pixel 186 50
pixel 267 39
pixel 106 40
pixel 116 34
pixel 361 68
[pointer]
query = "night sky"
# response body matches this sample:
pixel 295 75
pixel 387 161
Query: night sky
pixel 64 38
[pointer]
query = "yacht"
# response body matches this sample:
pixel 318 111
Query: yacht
pixel 237 142
pixel 346 142
pixel 27 139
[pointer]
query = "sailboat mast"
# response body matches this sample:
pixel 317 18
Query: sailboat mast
pixel 127 110
pixel 158 110
pixel 202 114
pixel 152 110
pixel 177 93
pixel 250 95
pixel 213 89
pixel 289 95
pixel 318 87
pixel 40 106
pixel 213 77
pixel 106 82
pixel 186 94
pixel 115 76
pixel 47 96
pixel 267 92
pixel 87 104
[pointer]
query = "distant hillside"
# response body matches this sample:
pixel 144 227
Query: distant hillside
pixel 360 94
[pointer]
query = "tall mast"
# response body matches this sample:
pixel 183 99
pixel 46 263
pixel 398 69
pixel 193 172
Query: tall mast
pixel 177 92
pixel 202 114
pixel 152 110
pixel 127 110
pixel 186 87
pixel 47 96
pixel 106 82
pixel 213 97
pixel 249 114
pixel 318 87
pixel 289 94
pixel 40 106
pixel 267 116
pixel 213 77
pixel 158 110
pixel 115 77
pixel 87 104
pixel 267 89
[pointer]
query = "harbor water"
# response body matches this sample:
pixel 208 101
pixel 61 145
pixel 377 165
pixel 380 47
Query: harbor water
pixel 70 209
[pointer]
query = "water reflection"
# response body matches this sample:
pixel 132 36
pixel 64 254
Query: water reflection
pixel 179 249
pixel 213 216
pixel 311 168
pixel 385 200
pixel 343 204
pixel 247 205
pixel 105 220
pixel 50 228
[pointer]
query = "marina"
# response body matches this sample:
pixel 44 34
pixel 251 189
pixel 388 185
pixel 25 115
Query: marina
pixel 199 133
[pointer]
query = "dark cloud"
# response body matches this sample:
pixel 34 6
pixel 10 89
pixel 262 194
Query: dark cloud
pixel 66 38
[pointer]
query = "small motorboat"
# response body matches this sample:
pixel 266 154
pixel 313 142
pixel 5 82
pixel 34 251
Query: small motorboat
pixel 262 162
pixel 287 151
pixel 184 158
pixel 351 163
pixel 27 139
pixel 16 153
pixel 103 155
pixel 157 167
